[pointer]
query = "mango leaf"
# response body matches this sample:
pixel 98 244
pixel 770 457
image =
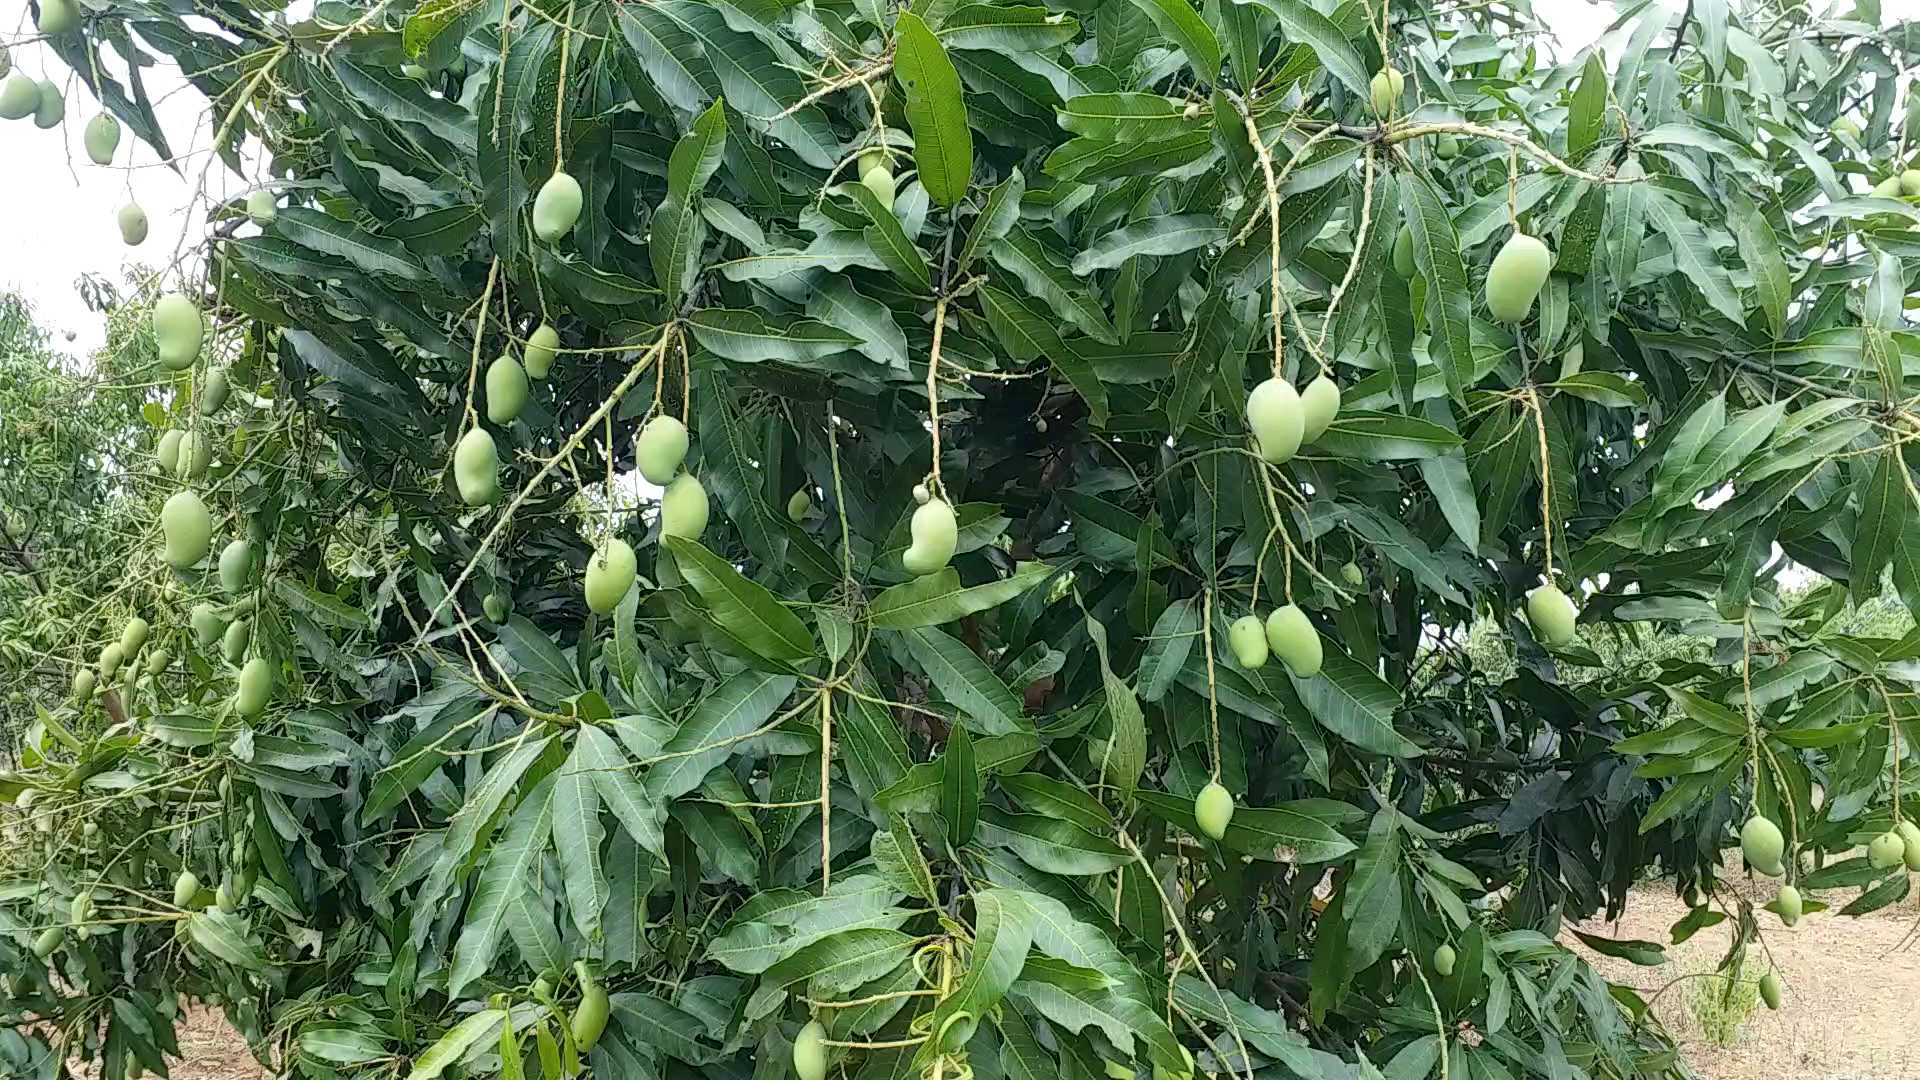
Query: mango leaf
pixel 746 609
pixel 936 110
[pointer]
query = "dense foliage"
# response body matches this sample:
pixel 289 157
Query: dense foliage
pixel 933 739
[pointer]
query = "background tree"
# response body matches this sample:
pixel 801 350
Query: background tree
pixel 934 737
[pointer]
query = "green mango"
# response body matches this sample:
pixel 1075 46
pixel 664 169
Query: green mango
pixel 1248 642
pixel 185 529
pixel 556 207
pixel 1291 636
pixel 177 331
pixel 1514 280
pixel 660 449
pixel 1213 810
pixel 58 16
pixel 1276 419
pixel 254 687
pixel 52 107
pixel 542 346
pixel 1385 89
pixel 683 508
pixel 260 207
pixel 935 532
pixel 133 224
pixel 19 97
pixel 213 392
pixel 1552 615
pixel 101 137
pixel 1319 404
pixel 167 452
pixel 236 567
pixel 610 573
pixel 810 1052
pixel 506 390
pixel 476 468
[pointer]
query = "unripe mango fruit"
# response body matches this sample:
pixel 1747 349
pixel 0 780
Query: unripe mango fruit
pixel 935 532
pixel 253 688
pixel 1770 989
pixel 1910 182
pixel 177 331
pixel 1350 573
pixel 1552 615
pixel 111 658
pixel 185 529
pixel 1514 280
pixel 260 207
pixel 158 660
pixel 506 390
pixel 1888 188
pixel 1443 960
pixel 610 573
pixel 1291 636
pixel 1276 419
pixel 134 635
pixel 1761 844
pixel 185 888
pixel 683 508
pixel 236 567
pixel 58 16
pixel 1385 89
pixel 798 504
pixel 196 453
pixel 495 606
pixel 233 643
pixel 1786 904
pixel 1319 404
pixel 1248 642
pixel 207 623
pixel 880 181
pixel 810 1052
pixel 19 97
pixel 590 1016
pixel 101 137
pixel 660 449
pixel 1886 850
pixel 476 468
pixel 557 206
pixel 83 684
pixel 213 392
pixel 166 453
pixel 1213 809
pixel 1403 263
pixel 542 345
pixel 133 224
pixel 1910 842
pixel 1446 146
pixel 52 107
pixel 49 941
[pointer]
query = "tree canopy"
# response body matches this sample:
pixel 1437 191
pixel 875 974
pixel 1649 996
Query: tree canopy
pixel 702 538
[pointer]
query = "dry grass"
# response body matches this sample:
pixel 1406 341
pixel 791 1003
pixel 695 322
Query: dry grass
pixel 1849 992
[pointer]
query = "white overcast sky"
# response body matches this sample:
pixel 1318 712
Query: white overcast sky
pixel 60 208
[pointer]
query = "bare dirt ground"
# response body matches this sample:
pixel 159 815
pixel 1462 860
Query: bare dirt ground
pixel 1850 991
pixel 1850 998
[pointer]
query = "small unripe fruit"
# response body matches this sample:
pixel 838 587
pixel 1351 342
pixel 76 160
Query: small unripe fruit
pixel 935 533
pixel 1786 904
pixel 260 208
pixel 542 345
pixel 133 225
pixel 798 504
pixel 1910 843
pixel 83 684
pixel 660 449
pixel 134 635
pixel 476 468
pixel 1249 642
pixel 880 181
pixel 1350 573
pixel 101 137
pixel 683 508
pixel 80 908
pixel 1770 989
pixel 1515 278
pixel 19 97
pixel 1446 146
pixel 185 888
pixel 495 606
pixel 233 643
pixel 167 453
pixel 254 687
pixel 1403 263
pixel 810 1052
pixel 52 108
pixel 1761 844
pixel 49 941
pixel 556 207
pixel 1291 636
pixel 1886 850
pixel 196 453
pixel 1552 615
pixel 870 159
pixel 158 660
pixel 111 658
pixel 207 625
pixel 185 529
pixel 90 830
pixel 506 390
pixel 590 1016
pixel 1443 960
pixel 58 16
pixel 1888 188
pixel 236 567
pixel 1213 809
pixel 610 573
pixel 921 494
pixel 1910 182
pixel 1319 404
pixel 177 331
pixel 1274 416
pixel 213 392
pixel 1846 126
pixel 1385 89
